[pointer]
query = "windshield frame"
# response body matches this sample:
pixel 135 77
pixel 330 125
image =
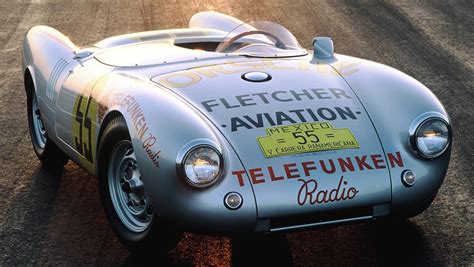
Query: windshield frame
pixel 254 39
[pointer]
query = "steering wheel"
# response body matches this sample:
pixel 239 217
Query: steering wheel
pixel 278 42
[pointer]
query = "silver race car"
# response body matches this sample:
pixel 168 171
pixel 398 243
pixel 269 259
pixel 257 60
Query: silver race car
pixel 229 127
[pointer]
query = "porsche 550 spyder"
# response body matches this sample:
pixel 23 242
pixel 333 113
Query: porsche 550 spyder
pixel 230 127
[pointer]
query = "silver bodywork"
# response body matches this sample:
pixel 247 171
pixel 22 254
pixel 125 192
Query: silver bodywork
pixel 173 98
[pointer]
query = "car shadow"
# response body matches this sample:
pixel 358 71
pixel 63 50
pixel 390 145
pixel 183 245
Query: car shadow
pixel 365 244
pixel 28 215
pixel 265 250
pixel 271 250
pixel 155 259
pixel 402 244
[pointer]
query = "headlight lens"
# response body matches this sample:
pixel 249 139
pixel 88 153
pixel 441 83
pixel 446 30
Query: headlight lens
pixel 202 166
pixel 432 137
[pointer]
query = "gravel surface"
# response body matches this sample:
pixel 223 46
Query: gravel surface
pixel 49 220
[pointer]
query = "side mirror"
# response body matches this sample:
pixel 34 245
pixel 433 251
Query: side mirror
pixel 323 48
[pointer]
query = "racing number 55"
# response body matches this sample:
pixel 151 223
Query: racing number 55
pixel 84 113
pixel 308 135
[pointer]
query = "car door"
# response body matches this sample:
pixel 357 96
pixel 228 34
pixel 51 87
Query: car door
pixel 76 121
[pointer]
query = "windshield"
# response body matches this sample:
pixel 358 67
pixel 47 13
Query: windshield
pixel 261 39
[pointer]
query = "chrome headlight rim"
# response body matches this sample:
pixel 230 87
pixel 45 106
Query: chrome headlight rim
pixel 417 125
pixel 190 147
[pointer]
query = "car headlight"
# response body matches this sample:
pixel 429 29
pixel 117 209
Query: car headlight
pixel 432 137
pixel 202 165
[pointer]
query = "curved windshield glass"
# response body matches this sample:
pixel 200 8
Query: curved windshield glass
pixel 261 39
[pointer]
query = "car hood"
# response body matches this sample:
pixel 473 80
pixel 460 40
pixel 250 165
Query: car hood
pixel 305 140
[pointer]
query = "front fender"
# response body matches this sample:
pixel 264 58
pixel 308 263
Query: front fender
pixel 160 125
pixel 394 101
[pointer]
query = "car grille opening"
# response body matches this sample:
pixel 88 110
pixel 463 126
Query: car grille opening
pixel 319 217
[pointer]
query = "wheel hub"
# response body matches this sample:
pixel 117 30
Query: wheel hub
pixel 38 127
pixel 127 189
pixel 132 182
